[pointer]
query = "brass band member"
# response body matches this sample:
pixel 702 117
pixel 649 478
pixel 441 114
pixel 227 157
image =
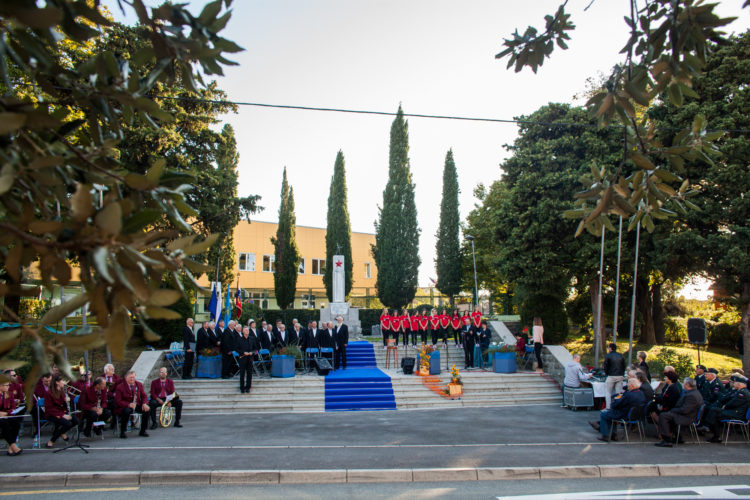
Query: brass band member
pixel 161 388
pixel 94 406
pixel 131 398
pixel 9 425
pixel 57 409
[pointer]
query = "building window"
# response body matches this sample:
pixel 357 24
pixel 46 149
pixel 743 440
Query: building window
pixel 301 268
pixel 318 266
pixel 308 301
pixel 367 270
pixel 269 263
pixel 246 262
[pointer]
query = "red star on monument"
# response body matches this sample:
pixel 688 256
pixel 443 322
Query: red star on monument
pixel 338 263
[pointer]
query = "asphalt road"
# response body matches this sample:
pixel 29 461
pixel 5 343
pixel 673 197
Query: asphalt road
pixel 462 437
pixel 463 490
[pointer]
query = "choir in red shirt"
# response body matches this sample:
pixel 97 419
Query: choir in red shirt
pixel 430 326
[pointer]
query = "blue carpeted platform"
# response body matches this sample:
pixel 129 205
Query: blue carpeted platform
pixel 362 386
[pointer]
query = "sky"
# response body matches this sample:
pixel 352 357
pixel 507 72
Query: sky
pixel 429 56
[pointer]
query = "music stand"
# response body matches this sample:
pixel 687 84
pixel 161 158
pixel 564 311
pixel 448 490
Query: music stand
pixel 77 442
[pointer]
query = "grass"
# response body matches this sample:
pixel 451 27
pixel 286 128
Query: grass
pixel 724 359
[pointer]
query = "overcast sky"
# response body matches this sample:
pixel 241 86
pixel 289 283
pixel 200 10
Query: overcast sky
pixel 430 56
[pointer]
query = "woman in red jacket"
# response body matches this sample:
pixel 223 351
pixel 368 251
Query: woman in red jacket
pixel 456 326
pixel 385 326
pixel 56 407
pixel 9 426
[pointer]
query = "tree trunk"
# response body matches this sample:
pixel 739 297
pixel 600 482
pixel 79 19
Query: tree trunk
pixel 643 299
pixel 658 313
pixel 745 325
pixel 594 289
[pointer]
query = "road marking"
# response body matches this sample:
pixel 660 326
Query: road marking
pixel 74 490
pixel 718 492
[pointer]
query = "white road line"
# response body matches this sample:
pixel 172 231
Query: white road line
pixel 718 492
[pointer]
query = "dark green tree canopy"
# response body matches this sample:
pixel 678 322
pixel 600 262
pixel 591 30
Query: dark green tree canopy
pixel 286 253
pixel 396 249
pixel 338 228
pixel 447 246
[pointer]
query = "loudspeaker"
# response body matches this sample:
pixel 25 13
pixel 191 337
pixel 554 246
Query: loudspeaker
pixel 696 330
pixel 408 365
pixel 322 366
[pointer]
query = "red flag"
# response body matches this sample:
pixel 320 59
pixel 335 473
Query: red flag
pixel 238 299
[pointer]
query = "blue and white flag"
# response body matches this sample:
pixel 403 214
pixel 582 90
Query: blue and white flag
pixel 212 303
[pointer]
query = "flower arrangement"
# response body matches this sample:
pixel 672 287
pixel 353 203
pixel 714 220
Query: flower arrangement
pixel 455 376
pixel 424 359
pixel 209 352
pixel 290 350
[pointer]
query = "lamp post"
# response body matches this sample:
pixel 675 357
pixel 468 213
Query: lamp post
pixel 474 258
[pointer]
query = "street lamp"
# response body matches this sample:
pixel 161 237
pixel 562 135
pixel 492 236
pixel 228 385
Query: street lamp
pixel 474 258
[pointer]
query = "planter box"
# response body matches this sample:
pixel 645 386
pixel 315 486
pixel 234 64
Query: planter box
pixel 455 389
pixel 504 362
pixel 282 366
pixel 208 367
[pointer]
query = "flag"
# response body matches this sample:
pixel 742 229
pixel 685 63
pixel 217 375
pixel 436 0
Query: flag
pixel 238 299
pixel 213 303
pixel 228 307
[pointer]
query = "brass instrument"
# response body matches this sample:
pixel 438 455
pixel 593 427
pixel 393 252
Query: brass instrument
pixel 166 415
pixel 135 417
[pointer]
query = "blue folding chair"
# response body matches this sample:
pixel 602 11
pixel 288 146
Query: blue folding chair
pixel 693 426
pixel 633 418
pixel 310 354
pixel 263 362
pixel 39 409
pixel 730 422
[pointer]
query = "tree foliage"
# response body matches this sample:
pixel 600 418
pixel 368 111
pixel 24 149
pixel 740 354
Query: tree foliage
pixel 338 228
pixel 286 253
pixel 667 48
pixel 396 249
pixel 447 246
pixel 61 125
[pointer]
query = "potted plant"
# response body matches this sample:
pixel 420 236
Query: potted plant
pixel 456 385
pixel 209 363
pixel 282 362
pixel 504 359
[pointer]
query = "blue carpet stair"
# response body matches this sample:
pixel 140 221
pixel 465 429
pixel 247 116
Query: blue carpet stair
pixel 362 386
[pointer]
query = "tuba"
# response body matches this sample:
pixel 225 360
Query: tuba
pixel 166 415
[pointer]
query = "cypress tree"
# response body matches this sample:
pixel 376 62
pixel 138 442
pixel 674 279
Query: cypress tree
pixel 396 249
pixel 286 252
pixel 448 248
pixel 338 228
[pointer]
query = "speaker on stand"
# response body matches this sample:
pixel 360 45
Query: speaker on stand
pixel 696 330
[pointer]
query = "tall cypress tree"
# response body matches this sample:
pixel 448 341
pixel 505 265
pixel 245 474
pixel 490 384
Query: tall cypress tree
pixel 286 252
pixel 338 228
pixel 396 249
pixel 448 248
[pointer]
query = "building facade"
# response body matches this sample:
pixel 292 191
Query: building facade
pixel 254 265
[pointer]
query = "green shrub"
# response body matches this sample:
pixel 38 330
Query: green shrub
pixel 675 330
pixel 682 363
pixel 723 334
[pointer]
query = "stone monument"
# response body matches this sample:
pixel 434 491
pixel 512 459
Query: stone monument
pixel 338 305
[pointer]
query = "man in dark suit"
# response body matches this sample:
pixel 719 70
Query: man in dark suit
pixel 247 348
pixel 633 398
pixel 202 335
pixel 468 338
pixel 188 344
pixel 284 338
pixel 341 338
pixel 276 328
pixel 213 339
pixel 266 337
pixel 683 413
pixel 310 338
pixel 227 346
pixel 295 336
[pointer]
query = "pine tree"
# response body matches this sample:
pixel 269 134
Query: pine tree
pixel 338 228
pixel 448 248
pixel 286 252
pixel 396 249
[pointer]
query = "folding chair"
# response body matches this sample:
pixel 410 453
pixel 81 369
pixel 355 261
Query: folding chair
pixel 528 358
pixel 327 352
pixel 263 362
pixel 38 408
pixel 728 423
pixel 310 354
pixel 236 358
pixel 633 418
pixel 693 426
pixel 175 359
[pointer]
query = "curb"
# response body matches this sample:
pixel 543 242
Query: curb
pixel 332 476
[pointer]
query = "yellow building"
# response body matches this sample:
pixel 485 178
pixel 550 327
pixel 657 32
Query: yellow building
pixel 254 263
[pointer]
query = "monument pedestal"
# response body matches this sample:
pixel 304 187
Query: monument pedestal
pixel 350 315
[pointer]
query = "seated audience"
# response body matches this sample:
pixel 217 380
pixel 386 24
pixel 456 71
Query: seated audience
pixel 735 408
pixel 683 413
pixel 643 366
pixel 621 405
pixel 667 399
